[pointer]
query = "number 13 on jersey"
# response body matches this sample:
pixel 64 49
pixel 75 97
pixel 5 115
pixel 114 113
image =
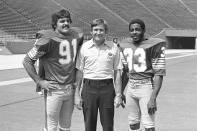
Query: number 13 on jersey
pixel 136 59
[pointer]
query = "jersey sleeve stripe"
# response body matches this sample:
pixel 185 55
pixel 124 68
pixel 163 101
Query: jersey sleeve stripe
pixel 158 63
pixel 34 54
pixel 156 67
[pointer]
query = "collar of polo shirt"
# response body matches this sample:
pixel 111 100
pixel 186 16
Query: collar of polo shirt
pixel 92 44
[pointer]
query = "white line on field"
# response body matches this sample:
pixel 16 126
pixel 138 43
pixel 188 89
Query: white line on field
pixel 22 80
pixel 16 81
pixel 179 56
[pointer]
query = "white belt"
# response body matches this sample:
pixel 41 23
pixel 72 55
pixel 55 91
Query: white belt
pixel 63 87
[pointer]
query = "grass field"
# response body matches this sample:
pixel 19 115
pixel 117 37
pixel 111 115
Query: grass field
pixel 21 109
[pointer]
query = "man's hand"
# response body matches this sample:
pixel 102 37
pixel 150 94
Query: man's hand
pixel 152 106
pixel 117 101
pixel 46 85
pixel 123 101
pixel 78 101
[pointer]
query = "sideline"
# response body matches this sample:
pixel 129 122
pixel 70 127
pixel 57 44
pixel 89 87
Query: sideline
pixel 176 51
pixel 15 81
pixel 184 55
pixel 15 61
pixel 11 61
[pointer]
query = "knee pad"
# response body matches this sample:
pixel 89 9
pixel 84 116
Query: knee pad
pixel 135 130
pixel 64 129
pixel 135 127
pixel 150 129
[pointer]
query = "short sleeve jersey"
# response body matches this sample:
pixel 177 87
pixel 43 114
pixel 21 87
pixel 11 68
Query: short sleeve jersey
pixel 57 54
pixel 146 60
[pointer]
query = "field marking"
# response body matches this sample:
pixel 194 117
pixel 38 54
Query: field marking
pixel 15 81
pixel 180 56
pixel 23 80
pixel 174 51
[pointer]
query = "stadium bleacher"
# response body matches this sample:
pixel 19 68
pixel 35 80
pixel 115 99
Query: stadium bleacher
pixel 13 23
pixel 191 4
pixel 129 9
pixel 173 12
pixel 27 17
pixel 97 10
pixel 23 18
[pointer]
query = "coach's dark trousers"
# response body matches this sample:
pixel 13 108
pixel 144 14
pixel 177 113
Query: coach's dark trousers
pixel 98 94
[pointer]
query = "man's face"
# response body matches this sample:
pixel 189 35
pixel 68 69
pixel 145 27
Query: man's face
pixel 136 32
pixel 63 25
pixel 98 32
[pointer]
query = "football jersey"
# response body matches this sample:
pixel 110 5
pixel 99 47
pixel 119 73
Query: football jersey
pixel 57 54
pixel 144 60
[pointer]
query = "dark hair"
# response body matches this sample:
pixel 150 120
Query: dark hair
pixel 138 21
pixel 60 14
pixel 100 21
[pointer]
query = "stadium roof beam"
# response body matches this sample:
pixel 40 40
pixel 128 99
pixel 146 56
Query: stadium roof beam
pixel 180 33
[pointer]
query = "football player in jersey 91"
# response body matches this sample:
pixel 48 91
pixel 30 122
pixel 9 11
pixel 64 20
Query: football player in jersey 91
pixel 146 62
pixel 56 50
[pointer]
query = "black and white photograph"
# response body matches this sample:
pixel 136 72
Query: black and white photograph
pixel 98 65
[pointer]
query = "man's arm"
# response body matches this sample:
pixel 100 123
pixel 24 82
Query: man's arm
pixel 118 88
pixel 78 84
pixel 157 83
pixel 28 64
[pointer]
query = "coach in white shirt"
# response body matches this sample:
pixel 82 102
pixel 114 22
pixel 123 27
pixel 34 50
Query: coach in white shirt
pixel 98 64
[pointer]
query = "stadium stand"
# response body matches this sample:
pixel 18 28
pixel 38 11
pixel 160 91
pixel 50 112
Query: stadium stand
pixel 191 4
pixel 173 12
pixel 21 19
pixel 38 12
pixel 97 10
pixel 12 22
pixel 129 9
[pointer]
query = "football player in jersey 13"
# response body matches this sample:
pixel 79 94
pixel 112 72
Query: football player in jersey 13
pixel 56 50
pixel 146 62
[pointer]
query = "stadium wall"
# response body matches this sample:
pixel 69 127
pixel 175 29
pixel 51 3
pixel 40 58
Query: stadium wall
pixel 179 38
pixel 19 47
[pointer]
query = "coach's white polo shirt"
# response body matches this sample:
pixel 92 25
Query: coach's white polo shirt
pixel 98 62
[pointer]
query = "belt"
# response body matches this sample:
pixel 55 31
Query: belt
pixel 141 80
pixel 98 81
pixel 144 83
pixel 63 87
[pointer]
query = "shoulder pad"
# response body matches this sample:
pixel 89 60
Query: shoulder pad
pixel 151 42
pixel 43 36
pixel 46 34
pixel 41 41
